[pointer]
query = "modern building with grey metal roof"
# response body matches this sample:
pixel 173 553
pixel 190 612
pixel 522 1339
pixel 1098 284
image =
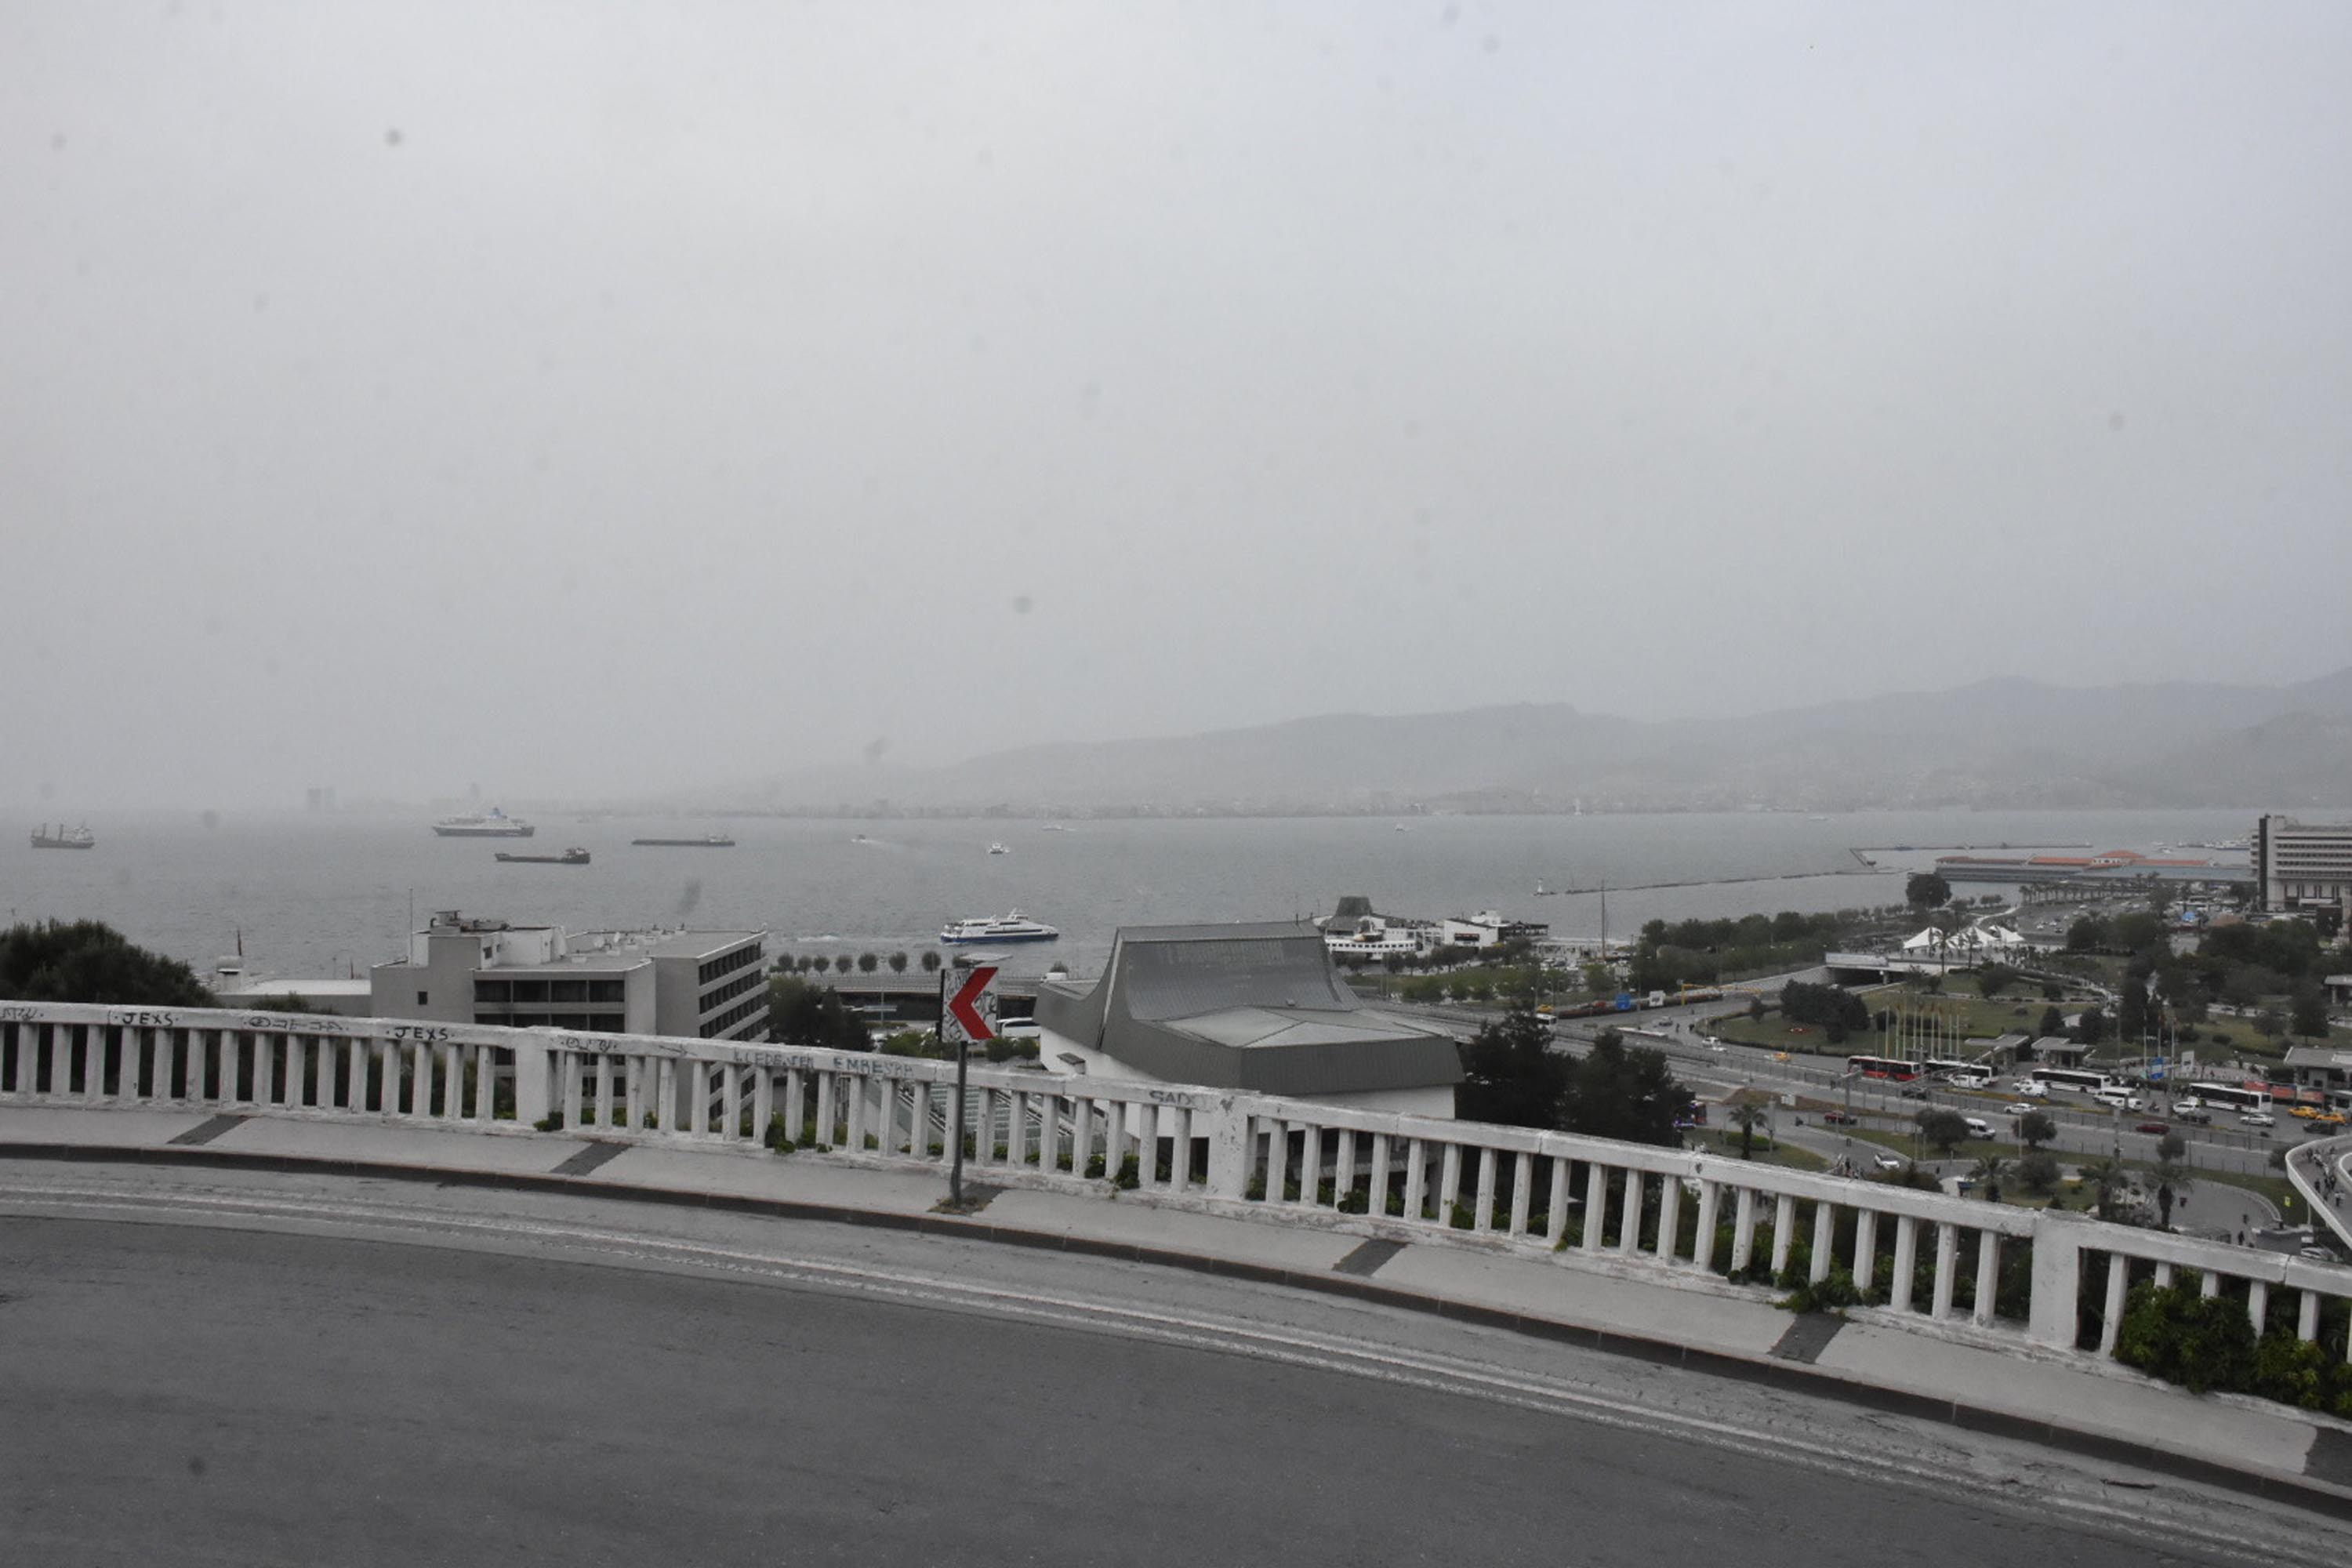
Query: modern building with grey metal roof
pixel 1256 1007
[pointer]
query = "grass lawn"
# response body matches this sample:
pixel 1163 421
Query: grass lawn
pixel 1718 1141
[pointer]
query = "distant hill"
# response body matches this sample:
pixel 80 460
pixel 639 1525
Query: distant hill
pixel 2002 742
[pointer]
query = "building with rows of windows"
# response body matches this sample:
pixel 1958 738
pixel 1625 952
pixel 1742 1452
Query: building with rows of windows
pixel 2301 865
pixel 703 985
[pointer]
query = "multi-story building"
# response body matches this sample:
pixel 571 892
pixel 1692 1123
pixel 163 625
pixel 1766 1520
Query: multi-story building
pixel 702 984
pixel 2301 865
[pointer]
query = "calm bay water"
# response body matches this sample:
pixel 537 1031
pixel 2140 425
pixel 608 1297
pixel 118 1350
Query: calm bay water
pixel 313 895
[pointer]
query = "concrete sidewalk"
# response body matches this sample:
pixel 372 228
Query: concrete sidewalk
pixel 1997 1383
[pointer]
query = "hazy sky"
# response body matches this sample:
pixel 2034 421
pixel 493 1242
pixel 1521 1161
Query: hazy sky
pixel 569 398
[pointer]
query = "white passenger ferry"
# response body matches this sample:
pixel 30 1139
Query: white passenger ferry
pixel 1013 926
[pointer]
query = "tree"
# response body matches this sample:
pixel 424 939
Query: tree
pixel 2131 1013
pixel 1992 979
pixel 2087 934
pixel 1988 1173
pixel 841 963
pixel 2090 1027
pixel 1747 1115
pixel 2106 1179
pixel 2036 1128
pixel 868 962
pixel 899 963
pixel 1630 1093
pixel 1943 1130
pixel 2171 1175
pixel 930 960
pixel 804 1013
pixel 2037 1173
pixel 88 961
pixel 2053 1022
pixel 1599 978
pixel 2269 1023
pixel 1511 1076
pixel 2308 1006
pixel 1925 890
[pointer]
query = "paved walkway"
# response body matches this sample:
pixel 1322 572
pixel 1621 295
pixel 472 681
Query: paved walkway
pixel 1703 1321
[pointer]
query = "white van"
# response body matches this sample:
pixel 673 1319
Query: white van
pixel 2118 1100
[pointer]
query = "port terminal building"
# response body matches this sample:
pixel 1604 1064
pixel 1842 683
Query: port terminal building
pixel 694 984
pixel 1257 1007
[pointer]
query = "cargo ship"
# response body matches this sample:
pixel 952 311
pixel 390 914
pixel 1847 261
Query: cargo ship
pixel 575 856
pixel 495 825
pixel 707 841
pixel 64 837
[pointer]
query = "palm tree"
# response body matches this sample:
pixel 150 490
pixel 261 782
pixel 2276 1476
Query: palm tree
pixel 1989 1173
pixel 2106 1178
pixel 2171 1175
pixel 1747 1116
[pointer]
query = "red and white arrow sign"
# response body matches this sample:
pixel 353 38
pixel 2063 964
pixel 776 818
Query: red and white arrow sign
pixel 971 1016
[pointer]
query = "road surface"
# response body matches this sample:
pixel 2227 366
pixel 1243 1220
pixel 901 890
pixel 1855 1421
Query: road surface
pixel 257 1369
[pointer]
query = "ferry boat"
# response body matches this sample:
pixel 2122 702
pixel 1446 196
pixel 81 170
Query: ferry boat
pixel 998 849
pixel 1012 927
pixel 575 856
pixel 495 825
pixel 64 837
pixel 707 841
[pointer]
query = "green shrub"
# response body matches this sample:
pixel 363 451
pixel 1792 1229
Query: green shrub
pixel 550 1122
pixel 1833 1292
pixel 779 1137
pixel 2198 1342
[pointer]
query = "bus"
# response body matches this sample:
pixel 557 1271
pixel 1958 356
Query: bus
pixel 2230 1096
pixel 2080 1080
pixel 1883 1066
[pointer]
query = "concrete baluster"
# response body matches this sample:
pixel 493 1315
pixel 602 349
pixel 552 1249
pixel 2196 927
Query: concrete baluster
pixel 166 1067
pixel 2307 1321
pixel 1082 1134
pixel 2209 1284
pixel 825 1114
pixel 387 1079
pixel 1670 1217
pixel 1483 1190
pixel 1343 1170
pixel 730 1091
pixel 1784 1232
pixel 2163 1276
pixel 795 1103
pixel 1277 1158
pixel 1743 1229
pixel 93 1062
pixel 1523 1180
pixel 61 1059
pixel 1416 1178
pixel 297 1063
pixel 1596 1206
pixel 1449 1183
pixel 1629 1219
pixel 1988 1278
pixel 2258 1304
pixel 453 1084
pixel 1865 1251
pixel 1711 1198
pixel 1180 1133
pixel 1947 1258
pixel 1115 1147
pixel 1907 1261
pixel 2118 1277
pixel 357 1054
pixel 1376 1177
pixel 420 1079
pixel 1824 1239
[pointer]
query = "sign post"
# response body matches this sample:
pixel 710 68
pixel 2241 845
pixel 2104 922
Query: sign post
pixel 967 1016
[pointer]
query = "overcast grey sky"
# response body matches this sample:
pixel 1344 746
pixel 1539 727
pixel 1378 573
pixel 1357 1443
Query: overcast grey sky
pixel 569 398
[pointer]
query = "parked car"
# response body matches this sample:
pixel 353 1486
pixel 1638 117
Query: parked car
pixel 1914 1091
pixel 2021 1110
pixel 2183 1107
pixel 1839 1118
pixel 2194 1117
pixel 1978 1127
pixel 1888 1161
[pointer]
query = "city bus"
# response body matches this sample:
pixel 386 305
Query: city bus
pixel 2079 1080
pixel 1883 1066
pixel 2230 1096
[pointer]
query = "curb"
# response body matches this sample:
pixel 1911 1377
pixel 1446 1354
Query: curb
pixel 2313 1492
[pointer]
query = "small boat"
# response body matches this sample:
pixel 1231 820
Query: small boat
pixel 575 856
pixel 707 841
pixel 64 837
pixel 998 849
pixel 1053 827
pixel 1012 927
pixel 495 823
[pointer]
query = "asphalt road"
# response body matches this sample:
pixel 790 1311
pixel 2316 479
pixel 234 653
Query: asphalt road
pixel 295 1371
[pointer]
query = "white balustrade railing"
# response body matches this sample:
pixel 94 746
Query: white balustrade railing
pixel 1916 1256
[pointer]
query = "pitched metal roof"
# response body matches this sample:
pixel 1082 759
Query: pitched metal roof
pixel 1255 1007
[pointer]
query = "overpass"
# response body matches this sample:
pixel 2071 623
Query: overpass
pixel 1512 1227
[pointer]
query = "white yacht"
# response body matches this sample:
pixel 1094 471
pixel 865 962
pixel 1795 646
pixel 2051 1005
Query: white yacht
pixel 1012 927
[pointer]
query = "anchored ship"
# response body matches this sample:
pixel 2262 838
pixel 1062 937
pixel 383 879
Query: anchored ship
pixel 575 856
pixel 495 825
pixel 707 841
pixel 64 837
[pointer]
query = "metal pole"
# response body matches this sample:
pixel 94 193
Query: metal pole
pixel 963 1060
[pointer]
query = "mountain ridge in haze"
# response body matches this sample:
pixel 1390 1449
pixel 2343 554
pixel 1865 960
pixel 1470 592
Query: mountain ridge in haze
pixel 2001 741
